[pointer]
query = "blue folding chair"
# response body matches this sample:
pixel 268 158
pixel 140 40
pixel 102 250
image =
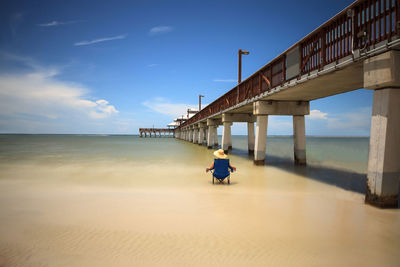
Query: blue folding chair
pixel 221 170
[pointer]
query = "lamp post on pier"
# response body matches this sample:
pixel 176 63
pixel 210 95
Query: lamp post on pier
pixel 200 96
pixel 240 52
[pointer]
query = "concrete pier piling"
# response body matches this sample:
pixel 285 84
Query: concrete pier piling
pixel 215 136
pixel 261 139
pixel 195 134
pixel 226 137
pixel 228 119
pixel 299 139
pixel 382 73
pixel 210 137
pixel 201 127
pixel 190 133
pixel 297 109
pixel 250 137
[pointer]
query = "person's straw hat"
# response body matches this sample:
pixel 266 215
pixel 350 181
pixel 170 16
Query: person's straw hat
pixel 219 154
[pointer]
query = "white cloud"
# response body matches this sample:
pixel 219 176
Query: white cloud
pixel 354 122
pixel 317 114
pixel 38 98
pixel 174 110
pixel 359 119
pixel 224 80
pixel 152 65
pixel 160 30
pixel 103 110
pixel 100 40
pixel 57 23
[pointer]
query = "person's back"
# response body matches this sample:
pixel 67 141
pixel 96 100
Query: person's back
pixel 221 165
pixel 221 168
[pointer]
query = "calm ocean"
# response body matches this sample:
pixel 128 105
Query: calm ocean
pixel 349 153
pixel 341 161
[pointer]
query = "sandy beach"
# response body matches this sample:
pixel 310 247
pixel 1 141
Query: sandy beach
pixel 112 114
pixel 130 214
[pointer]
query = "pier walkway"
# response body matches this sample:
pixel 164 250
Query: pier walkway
pixel 357 48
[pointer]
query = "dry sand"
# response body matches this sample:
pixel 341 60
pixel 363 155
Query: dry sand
pixel 126 215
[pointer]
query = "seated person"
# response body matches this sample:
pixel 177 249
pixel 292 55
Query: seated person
pixel 221 158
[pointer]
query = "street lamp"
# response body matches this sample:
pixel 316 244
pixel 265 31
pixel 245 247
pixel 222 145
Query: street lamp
pixel 200 96
pixel 240 52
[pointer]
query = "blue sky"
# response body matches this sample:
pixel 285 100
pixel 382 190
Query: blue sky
pixel 110 67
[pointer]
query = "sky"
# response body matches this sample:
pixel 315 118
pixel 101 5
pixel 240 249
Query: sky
pixel 111 67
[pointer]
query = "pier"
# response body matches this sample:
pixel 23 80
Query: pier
pixel 357 48
pixel 156 132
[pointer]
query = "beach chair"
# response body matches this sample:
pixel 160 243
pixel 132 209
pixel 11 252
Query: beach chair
pixel 221 171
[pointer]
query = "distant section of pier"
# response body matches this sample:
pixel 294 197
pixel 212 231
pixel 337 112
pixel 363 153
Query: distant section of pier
pixel 153 132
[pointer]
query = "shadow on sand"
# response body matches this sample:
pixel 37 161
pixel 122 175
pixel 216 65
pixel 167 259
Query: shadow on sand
pixel 345 179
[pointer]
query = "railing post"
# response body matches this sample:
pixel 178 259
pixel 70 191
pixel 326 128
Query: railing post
pixel 284 69
pixel 323 47
pixel 300 59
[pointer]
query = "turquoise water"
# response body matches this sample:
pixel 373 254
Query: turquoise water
pixel 340 161
pixel 349 153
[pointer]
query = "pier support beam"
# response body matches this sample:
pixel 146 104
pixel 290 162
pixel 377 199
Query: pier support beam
pixel 191 135
pixel 226 137
pixel 382 73
pixel 210 132
pixel 238 117
pixel 215 135
pixel 250 137
pixel 294 108
pixel 299 139
pixel 195 135
pixel 202 127
pixel 201 136
pixel 261 139
pixel 212 137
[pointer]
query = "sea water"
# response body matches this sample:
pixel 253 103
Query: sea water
pixel 349 153
pixel 336 160
pixel 100 200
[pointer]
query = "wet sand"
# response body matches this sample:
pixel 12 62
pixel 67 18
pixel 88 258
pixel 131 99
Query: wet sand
pixel 169 214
